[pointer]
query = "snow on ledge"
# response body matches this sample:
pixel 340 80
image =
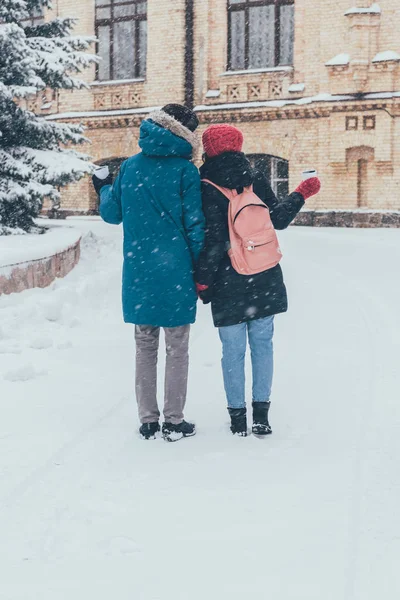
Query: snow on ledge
pixel 252 71
pixel 22 249
pixel 386 56
pixel 298 102
pixel 375 9
pixel 204 107
pixel 213 94
pixel 338 60
pixel 103 113
pixel 296 87
pixel 117 82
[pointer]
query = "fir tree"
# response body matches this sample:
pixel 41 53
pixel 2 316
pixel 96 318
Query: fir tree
pixel 36 157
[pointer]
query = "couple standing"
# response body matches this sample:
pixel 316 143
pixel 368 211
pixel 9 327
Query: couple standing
pixel 177 236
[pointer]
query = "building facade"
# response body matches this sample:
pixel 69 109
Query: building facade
pixel 312 84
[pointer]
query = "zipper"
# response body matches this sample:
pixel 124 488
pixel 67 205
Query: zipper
pixel 251 247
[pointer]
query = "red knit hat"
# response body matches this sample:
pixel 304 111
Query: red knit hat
pixel 222 138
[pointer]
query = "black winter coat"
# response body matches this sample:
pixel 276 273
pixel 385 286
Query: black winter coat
pixel 239 298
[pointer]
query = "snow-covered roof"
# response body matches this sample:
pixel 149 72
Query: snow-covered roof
pixel 385 56
pixel 297 87
pixel 374 9
pixel 338 60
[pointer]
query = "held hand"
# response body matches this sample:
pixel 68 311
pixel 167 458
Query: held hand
pixel 309 187
pixel 200 288
pixel 100 183
pixel 203 293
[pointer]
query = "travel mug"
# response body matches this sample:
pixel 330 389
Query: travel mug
pixel 309 174
pixel 102 172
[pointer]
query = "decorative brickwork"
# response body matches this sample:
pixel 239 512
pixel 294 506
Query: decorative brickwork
pixel 350 73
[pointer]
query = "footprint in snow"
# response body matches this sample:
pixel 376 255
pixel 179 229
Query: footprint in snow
pixel 8 348
pixel 24 373
pixel 41 343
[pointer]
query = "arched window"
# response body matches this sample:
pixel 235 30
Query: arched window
pixel 261 33
pixel 121 30
pixel 275 169
pixel 359 160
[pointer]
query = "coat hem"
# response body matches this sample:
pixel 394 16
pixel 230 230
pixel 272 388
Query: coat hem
pixel 231 322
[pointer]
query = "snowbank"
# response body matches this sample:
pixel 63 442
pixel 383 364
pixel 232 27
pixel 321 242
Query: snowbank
pixel 28 261
pixel 17 249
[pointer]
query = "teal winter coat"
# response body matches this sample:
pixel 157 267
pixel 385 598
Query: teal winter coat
pixel 157 198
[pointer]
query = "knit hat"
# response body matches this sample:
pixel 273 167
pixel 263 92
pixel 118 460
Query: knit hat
pixel 182 114
pixel 222 138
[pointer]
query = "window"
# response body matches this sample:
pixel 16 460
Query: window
pixel 121 30
pixel 276 171
pixel 351 123
pixel 261 34
pixel 36 18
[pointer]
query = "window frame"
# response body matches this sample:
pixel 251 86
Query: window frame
pixel 245 5
pixel 271 161
pixel 110 22
pixel 35 20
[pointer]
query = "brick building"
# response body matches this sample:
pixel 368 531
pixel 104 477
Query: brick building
pixel 312 84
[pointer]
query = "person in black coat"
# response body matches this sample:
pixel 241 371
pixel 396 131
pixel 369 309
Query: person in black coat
pixel 242 305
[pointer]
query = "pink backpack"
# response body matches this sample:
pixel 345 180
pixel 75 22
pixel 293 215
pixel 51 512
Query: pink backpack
pixel 253 240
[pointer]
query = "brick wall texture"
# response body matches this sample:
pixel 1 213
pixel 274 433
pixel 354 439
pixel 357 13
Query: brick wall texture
pixel 346 122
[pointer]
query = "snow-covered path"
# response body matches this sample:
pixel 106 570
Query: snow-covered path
pixel 88 510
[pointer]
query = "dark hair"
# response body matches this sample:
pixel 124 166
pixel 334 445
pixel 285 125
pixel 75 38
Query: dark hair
pixel 182 114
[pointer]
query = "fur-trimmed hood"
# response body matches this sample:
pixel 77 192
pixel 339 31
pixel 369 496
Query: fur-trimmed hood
pixel 168 122
pixel 162 135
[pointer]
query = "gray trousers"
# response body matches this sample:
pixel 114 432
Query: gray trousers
pixel 176 372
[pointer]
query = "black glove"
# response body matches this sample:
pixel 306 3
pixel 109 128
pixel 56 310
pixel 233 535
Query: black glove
pixel 100 183
pixel 206 296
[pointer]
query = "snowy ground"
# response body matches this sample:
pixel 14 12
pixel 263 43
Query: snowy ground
pixel 89 511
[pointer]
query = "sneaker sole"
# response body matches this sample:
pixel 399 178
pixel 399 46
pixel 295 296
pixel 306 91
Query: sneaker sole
pixel 261 434
pixel 175 437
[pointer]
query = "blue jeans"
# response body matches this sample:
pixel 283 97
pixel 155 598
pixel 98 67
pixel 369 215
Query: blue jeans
pixel 234 344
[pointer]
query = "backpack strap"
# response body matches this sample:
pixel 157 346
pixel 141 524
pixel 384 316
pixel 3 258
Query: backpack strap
pixel 228 193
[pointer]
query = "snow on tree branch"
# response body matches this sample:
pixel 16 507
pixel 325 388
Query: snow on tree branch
pixel 36 157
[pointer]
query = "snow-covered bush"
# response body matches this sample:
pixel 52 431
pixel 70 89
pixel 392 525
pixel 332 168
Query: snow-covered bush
pixel 36 157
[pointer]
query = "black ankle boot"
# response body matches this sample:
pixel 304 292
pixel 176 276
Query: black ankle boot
pixel 238 421
pixel 261 424
pixel 148 431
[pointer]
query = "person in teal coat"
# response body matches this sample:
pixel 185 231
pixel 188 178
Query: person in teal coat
pixel 157 198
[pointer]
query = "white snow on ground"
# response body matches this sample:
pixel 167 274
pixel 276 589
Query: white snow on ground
pixel 88 510
pixel 16 249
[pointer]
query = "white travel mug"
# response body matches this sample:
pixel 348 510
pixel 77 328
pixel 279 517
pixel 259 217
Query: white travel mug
pixel 309 174
pixel 102 172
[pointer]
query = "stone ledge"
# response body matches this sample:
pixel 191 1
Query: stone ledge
pixel 39 273
pixel 345 218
